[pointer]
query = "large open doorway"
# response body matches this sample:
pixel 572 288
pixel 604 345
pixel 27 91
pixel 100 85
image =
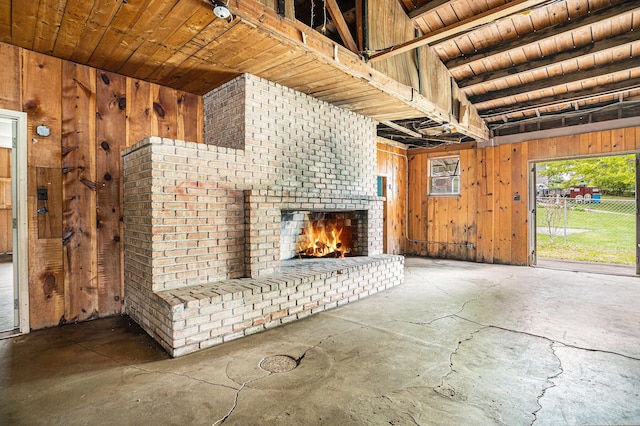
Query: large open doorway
pixel 14 312
pixel 585 213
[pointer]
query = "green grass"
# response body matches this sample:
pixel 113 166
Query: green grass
pixel 611 238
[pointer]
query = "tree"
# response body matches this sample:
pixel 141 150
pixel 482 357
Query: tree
pixel 612 174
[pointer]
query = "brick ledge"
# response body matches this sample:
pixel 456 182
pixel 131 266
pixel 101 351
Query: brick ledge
pixel 206 315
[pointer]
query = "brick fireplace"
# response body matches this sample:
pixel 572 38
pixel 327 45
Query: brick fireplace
pixel 205 225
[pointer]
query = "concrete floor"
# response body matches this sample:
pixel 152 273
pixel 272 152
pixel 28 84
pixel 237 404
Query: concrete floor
pixel 458 343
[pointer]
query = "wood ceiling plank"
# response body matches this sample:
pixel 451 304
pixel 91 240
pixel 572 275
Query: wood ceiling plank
pixel 165 56
pixel 206 62
pixel 280 71
pixel 190 54
pixel 345 89
pixel 266 63
pixel 23 22
pixel 175 63
pixel 549 32
pixel 300 69
pixel 122 23
pixel 447 14
pixel 49 18
pixel 430 23
pixel 454 49
pixel 465 9
pixel 373 102
pixel 97 23
pixel 73 21
pixel 317 79
pixel 200 76
pixel 140 63
pixel 254 47
pixel 349 84
pixel 228 43
pixel 206 77
pixel 577 7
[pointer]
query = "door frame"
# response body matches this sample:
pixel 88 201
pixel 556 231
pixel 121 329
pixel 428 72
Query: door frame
pixel 19 215
pixel 533 199
pixel 533 243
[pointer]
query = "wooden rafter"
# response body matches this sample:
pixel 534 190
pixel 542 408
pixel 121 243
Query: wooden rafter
pixel 341 25
pixel 547 33
pixel 578 75
pixel 575 96
pixel 545 61
pixel 499 12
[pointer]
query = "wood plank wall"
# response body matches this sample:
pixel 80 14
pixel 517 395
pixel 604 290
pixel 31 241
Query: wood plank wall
pixel 491 212
pixel 75 249
pixel 392 164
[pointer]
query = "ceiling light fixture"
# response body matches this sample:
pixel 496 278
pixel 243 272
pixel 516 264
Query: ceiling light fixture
pixel 221 9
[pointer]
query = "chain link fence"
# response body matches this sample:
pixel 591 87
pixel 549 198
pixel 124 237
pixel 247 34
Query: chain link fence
pixel 592 230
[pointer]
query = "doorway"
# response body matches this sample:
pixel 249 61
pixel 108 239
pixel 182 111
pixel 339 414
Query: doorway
pixel 585 214
pixel 14 296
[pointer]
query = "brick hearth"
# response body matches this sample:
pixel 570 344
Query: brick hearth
pixel 202 221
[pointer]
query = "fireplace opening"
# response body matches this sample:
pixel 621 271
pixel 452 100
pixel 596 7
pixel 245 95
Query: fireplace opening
pixel 322 234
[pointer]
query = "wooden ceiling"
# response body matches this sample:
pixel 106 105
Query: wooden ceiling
pixel 531 65
pixel 524 65
pixel 181 44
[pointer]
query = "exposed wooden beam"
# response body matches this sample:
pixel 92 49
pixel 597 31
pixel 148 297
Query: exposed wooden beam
pixel 543 62
pixel 546 83
pixel 401 129
pixel 426 8
pixel 539 36
pixel 341 25
pixel 548 101
pixel 499 12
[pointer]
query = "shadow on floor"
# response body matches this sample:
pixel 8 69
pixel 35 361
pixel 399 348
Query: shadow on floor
pixel 79 348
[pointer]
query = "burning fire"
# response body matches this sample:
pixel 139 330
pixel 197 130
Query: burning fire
pixel 321 242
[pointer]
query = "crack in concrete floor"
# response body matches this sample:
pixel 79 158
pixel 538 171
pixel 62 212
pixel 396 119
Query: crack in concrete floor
pixel 550 380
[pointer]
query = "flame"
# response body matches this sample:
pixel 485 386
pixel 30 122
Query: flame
pixel 321 241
